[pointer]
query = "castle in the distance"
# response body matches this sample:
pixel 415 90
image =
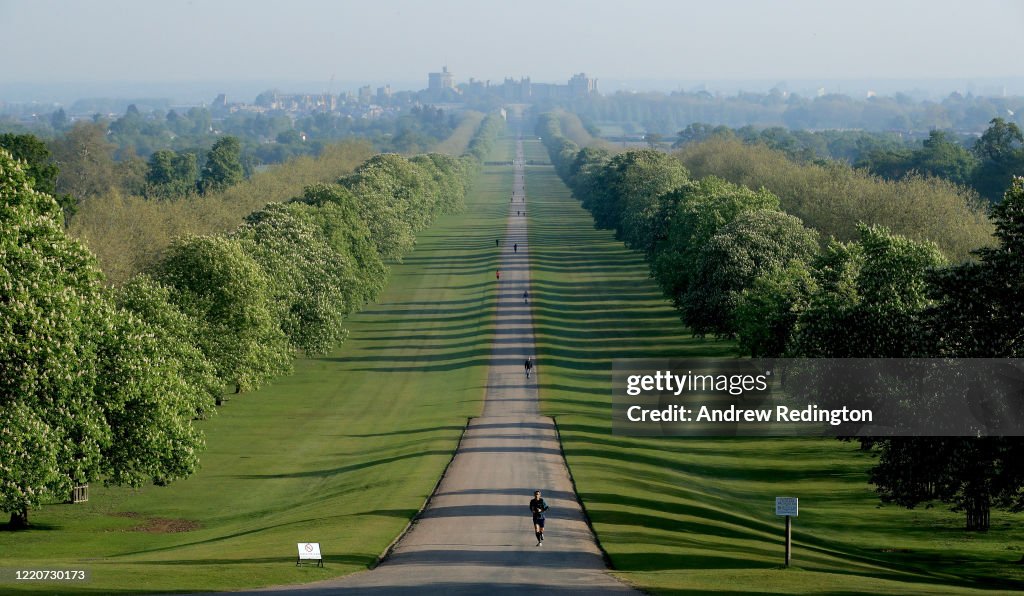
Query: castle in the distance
pixel 523 90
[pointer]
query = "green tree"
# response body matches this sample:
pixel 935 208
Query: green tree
pixel 213 281
pixel 750 247
pixel 86 389
pixel 130 170
pixel 170 174
pixel 85 161
pixel 698 131
pixel 999 141
pixel 631 182
pixel 390 193
pixel 178 335
pixel 940 156
pixel 981 303
pixel 1002 158
pixel 449 177
pixel 584 171
pixel 308 279
pixel 52 315
pixel 871 300
pixel 339 216
pixel 149 403
pixel 891 164
pixel 223 166
pixel 289 137
pixel 768 310
pixel 972 475
pixel 696 212
pixel 38 166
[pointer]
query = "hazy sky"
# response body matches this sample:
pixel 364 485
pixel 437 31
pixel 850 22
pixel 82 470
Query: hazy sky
pixel 389 40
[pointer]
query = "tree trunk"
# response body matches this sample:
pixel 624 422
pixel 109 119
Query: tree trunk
pixel 978 510
pixel 19 520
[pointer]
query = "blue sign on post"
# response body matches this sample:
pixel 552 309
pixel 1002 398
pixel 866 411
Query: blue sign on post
pixel 787 506
pixel 790 507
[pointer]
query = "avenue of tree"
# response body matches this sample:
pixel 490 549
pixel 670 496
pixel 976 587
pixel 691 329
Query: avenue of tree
pixel 739 263
pixel 101 382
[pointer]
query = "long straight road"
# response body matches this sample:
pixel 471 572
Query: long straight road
pixel 476 535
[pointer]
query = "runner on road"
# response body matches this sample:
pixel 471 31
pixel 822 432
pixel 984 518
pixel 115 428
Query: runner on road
pixel 528 365
pixel 537 508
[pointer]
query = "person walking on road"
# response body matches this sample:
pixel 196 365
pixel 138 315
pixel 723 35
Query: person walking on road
pixel 497 275
pixel 526 297
pixel 515 247
pixel 528 365
pixel 537 507
pixel 495 242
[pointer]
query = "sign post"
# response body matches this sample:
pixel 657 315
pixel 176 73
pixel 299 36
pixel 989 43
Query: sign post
pixel 309 551
pixel 789 507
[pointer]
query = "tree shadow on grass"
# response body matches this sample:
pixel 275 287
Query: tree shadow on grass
pixel 33 526
pixel 326 472
pixel 407 336
pixel 737 527
pixel 448 356
pixel 431 429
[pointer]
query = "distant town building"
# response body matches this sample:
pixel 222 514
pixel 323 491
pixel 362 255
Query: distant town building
pixel 365 94
pixel 513 90
pixel 476 86
pixel 436 81
pixel 524 90
pixel 383 93
pixel 580 85
pixel 549 91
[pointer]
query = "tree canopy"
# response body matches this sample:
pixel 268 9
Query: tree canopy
pixel 223 166
pixel 86 388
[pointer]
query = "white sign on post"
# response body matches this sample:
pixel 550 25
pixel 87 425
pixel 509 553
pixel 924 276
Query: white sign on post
pixel 309 551
pixel 787 506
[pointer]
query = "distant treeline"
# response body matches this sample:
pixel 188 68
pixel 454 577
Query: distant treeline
pixel 99 382
pixel 833 198
pixel 827 262
pixel 986 163
pixel 264 138
pixel 128 233
pixel 667 113
pixel 127 212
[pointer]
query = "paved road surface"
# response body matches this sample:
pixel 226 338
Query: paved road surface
pixel 476 535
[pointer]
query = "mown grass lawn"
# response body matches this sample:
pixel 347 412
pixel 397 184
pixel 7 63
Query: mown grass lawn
pixel 695 516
